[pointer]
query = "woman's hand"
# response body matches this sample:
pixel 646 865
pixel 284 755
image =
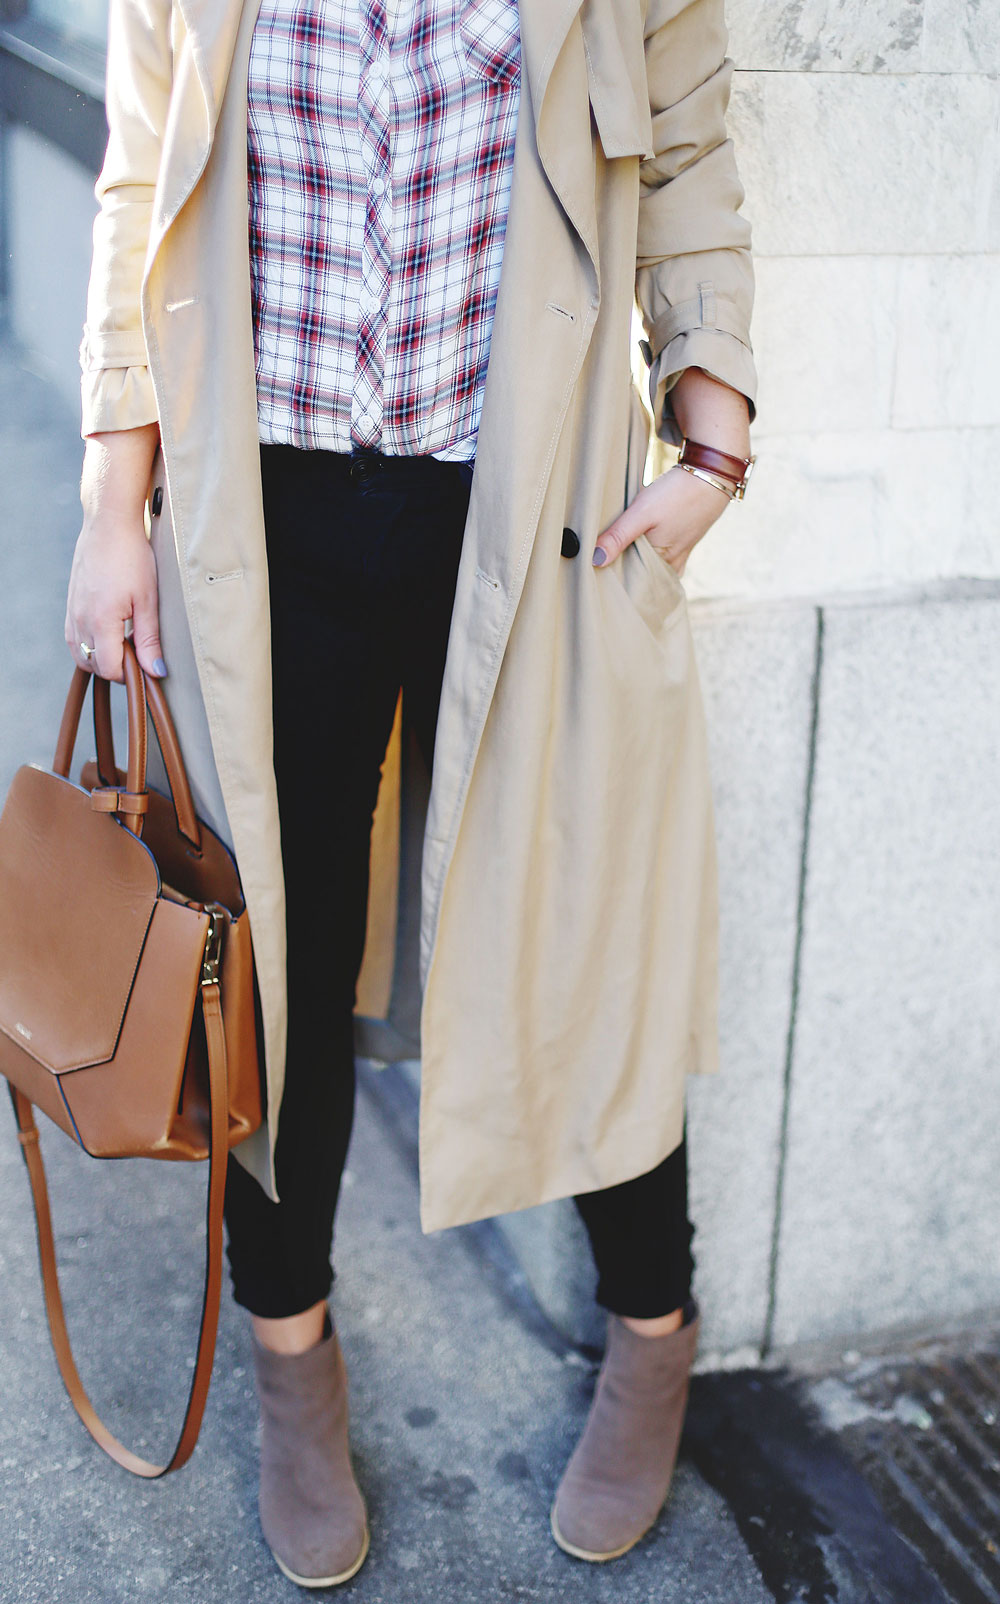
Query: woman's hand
pixel 113 577
pixel 673 512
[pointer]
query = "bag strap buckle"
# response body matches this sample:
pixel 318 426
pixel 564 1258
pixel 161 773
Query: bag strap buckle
pixel 213 945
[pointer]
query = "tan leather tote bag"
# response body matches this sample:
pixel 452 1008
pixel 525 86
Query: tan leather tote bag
pixel 128 1009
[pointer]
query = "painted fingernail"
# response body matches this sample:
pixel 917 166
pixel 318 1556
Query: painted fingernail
pixel 600 556
pixel 159 667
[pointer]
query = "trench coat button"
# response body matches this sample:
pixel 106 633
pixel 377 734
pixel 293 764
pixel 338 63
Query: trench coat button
pixel 570 543
pixel 156 505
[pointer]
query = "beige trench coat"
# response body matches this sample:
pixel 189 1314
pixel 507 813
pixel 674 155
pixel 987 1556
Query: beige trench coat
pixel 546 921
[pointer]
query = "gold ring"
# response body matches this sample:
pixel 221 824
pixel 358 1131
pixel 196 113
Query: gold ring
pixel 88 651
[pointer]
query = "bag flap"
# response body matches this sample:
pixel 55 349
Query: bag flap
pixel 77 892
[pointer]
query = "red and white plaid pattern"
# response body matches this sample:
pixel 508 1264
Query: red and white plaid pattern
pixel 381 138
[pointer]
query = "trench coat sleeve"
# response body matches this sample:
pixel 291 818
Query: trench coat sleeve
pixel 117 391
pixel 694 273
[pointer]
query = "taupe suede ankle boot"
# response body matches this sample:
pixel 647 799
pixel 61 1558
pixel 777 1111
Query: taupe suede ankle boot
pixel 311 1510
pixel 620 1471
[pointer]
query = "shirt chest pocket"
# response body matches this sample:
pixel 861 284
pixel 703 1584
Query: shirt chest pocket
pixel 491 39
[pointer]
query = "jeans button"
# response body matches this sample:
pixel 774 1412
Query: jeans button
pixel 363 467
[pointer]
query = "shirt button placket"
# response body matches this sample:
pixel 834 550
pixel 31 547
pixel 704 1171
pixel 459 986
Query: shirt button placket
pixel 374 129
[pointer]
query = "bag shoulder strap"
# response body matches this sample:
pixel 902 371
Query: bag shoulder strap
pixel 219 1152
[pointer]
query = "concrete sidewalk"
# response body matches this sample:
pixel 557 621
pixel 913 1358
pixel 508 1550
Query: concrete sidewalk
pixel 465 1401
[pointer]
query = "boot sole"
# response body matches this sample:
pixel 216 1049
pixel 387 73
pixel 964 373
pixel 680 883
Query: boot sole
pixel 325 1581
pixel 584 1553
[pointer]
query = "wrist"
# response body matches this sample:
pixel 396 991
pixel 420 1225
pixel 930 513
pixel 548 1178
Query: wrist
pixel 709 410
pixel 116 470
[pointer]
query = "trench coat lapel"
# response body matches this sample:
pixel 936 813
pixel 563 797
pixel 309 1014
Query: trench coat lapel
pixel 584 54
pixel 201 75
pixel 554 73
pixel 612 32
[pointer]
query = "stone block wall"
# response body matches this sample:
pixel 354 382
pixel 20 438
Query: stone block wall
pixel 868 138
pixel 844 1163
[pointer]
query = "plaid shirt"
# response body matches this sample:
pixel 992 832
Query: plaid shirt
pixel 380 141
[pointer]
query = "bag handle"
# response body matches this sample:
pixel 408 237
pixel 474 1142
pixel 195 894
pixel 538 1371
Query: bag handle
pixel 136 696
pixel 188 823
pixel 218 1156
pixel 142 691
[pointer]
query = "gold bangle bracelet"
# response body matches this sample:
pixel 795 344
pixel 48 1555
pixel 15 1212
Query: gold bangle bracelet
pixel 710 479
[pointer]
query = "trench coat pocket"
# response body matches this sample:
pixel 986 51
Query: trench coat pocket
pixel 652 584
pixel 654 587
pixel 491 36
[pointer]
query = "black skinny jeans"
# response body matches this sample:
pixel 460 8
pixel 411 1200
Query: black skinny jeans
pixel 363 553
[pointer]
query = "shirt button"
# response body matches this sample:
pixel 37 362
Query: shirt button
pixel 378 186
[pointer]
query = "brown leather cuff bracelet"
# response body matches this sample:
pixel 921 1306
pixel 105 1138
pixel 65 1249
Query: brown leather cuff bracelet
pixel 711 460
